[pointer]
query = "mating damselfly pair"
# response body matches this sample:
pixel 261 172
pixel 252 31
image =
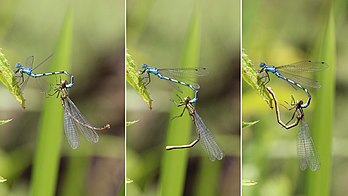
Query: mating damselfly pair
pixel 184 77
pixel 292 73
pixel 73 118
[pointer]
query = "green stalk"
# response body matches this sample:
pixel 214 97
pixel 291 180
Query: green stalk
pixel 46 162
pixel 322 123
pixel 179 131
pixel 208 174
pixel 75 175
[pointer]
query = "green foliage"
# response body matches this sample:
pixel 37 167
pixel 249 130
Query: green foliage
pixel 129 181
pixel 250 76
pixel 248 182
pixel 174 164
pixel 5 121
pixel 2 179
pixel 135 80
pixel 131 123
pixel 45 167
pixel 248 124
pixel 319 182
pixel 8 79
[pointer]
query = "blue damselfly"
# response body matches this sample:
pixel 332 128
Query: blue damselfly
pixel 28 70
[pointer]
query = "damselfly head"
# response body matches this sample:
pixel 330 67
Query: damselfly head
pixel 299 103
pixel 187 99
pixel 63 84
pixel 262 64
pixel 144 66
pixel 18 66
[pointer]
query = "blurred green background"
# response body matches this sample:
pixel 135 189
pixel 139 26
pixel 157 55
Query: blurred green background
pixel 281 32
pixel 157 34
pixel 33 28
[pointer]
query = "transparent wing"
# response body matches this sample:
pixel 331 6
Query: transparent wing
pixel 42 62
pixel 300 79
pixel 184 75
pixel 70 127
pixel 174 85
pixel 24 84
pixel 306 151
pixel 29 62
pixel 80 122
pixel 296 70
pixel 184 72
pixel 304 66
pixel 209 143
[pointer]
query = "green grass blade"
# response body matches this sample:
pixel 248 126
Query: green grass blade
pixel 45 168
pixel 2 179
pixel 248 124
pixel 131 123
pixel 248 182
pixel 74 183
pixel 134 79
pixel 207 182
pixel 8 79
pixel 179 131
pixel 5 121
pixel 322 122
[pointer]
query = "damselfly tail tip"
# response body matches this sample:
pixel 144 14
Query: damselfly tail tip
pixel 169 148
pixel 107 126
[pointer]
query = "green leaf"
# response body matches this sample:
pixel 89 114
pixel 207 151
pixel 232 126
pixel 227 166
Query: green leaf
pixel 2 179
pixel 128 180
pixel 9 80
pixel 131 123
pixel 248 124
pixel 248 182
pixel 135 80
pixel 250 76
pixel 4 121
